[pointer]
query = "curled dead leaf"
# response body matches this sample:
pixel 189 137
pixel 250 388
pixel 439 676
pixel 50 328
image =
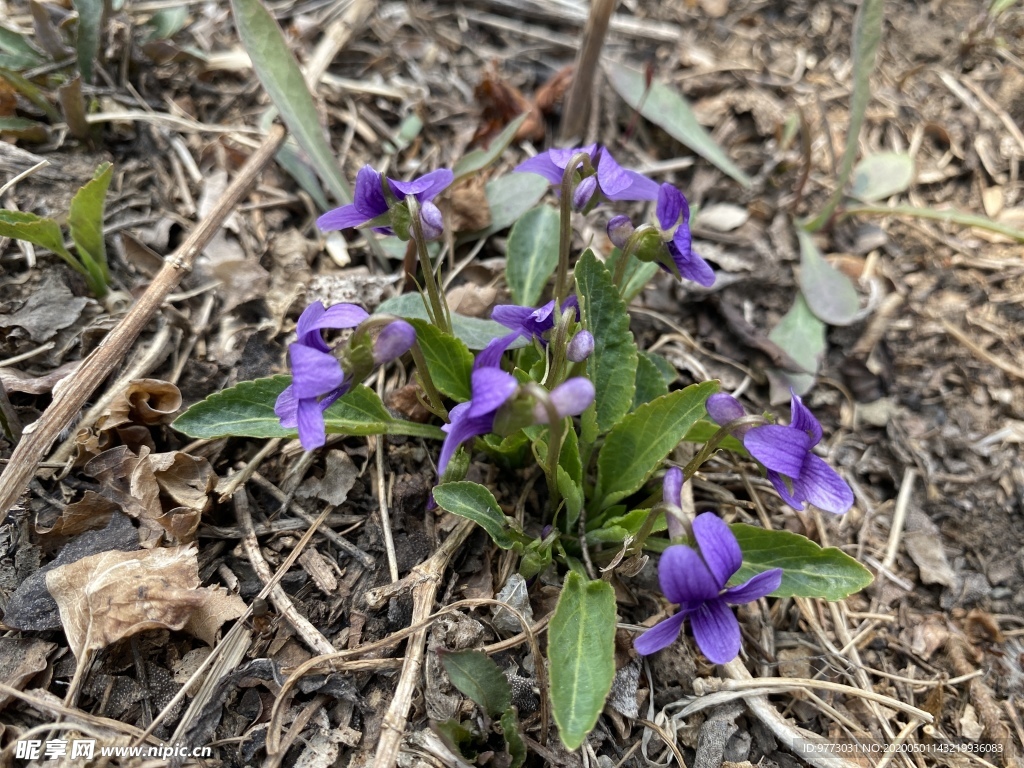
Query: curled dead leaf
pixel 144 401
pixel 218 606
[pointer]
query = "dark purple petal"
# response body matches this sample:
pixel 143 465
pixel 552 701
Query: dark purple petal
pixel 570 398
pixel 619 230
pixel 542 165
pixel 307 330
pixel 672 487
pixel 338 316
pixel 690 265
pixel 761 585
pixel 670 206
pixel 804 420
pixel 822 486
pixel 432 221
pixel 312 432
pixel 780 448
pixel 660 636
pixel 286 408
pixel 640 188
pixel 779 483
pixel 718 546
pixel 490 356
pixel 562 157
pixel 314 373
pixel 369 195
pixel 513 316
pixel 492 387
pixel 393 342
pixel 462 428
pixel 684 577
pixel 342 218
pixel 723 408
pixel 583 192
pixel 580 347
pixel 426 187
pixel 716 631
pixel 613 177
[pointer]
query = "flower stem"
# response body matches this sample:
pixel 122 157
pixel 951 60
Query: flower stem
pixel 556 433
pixel 440 314
pixel 557 347
pixel 716 439
pixel 632 243
pixel 434 396
pixel 565 225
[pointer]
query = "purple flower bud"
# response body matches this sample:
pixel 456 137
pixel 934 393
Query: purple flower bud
pixel 570 398
pixel 619 230
pixel 433 222
pixel 672 487
pixel 393 341
pixel 580 347
pixel 723 408
pixel 584 191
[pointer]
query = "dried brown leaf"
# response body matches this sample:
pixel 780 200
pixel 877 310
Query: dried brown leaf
pixel 144 401
pixel 21 659
pixel 14 380
pixel 107 597
pixel 217 607
pixel 467 208
pixel 502 102
pixel 90 513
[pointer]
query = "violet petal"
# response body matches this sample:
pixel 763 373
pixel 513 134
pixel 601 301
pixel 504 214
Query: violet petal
pixel 314 373
pixel 426 187
pixel 660 636
pixel 716 631
pixel 492 387
pixel 312 431
pixel 780 448
pixel 718 546
pixel 684 577
pixel 756 587
pixel 672 487
pixel 670 206
pixel 803 420
pixel 822 486
pixel 723 408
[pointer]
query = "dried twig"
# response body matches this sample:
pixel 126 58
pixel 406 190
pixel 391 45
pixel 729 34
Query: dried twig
pixel 577 103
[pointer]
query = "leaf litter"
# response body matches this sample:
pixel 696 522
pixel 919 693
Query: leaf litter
pixel 148 494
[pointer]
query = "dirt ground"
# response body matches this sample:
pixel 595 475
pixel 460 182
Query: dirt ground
pixel 921 399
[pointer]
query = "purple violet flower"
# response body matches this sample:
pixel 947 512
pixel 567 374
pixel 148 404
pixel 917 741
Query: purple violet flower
pixel 491 389
pixel 318 378
pixel 612 180
pixel 673 209
pixel 696 579
pixel 523 322
pixel 370 202
pixel 786 453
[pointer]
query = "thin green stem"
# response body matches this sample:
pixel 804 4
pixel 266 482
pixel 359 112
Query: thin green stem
pixel 565 224
pixel 632 243
pixel 434 406
pixel 441 316
pixel 556 433
pixel 557 348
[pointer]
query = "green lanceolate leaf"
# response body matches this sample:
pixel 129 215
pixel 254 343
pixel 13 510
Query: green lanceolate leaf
pixel 16 52
pixel 638 444
pixel 449 360
pixel 479 678
pixel 532 254
pixel 650 384
pixel 513 739
pixel 45 233
pixel 802 336
pixel 829 293
pixel 474 332
pixel 24 129
pixel 277 70
pixel 87 41
pixel 581 649
pixel 612 364
pixel 807 569
pixel 479 159
pixel 671 112
pixel 867 34
pixel 247 410
pixel 85 220
pixel 512 195
pixel 882 175
pixel 474 502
